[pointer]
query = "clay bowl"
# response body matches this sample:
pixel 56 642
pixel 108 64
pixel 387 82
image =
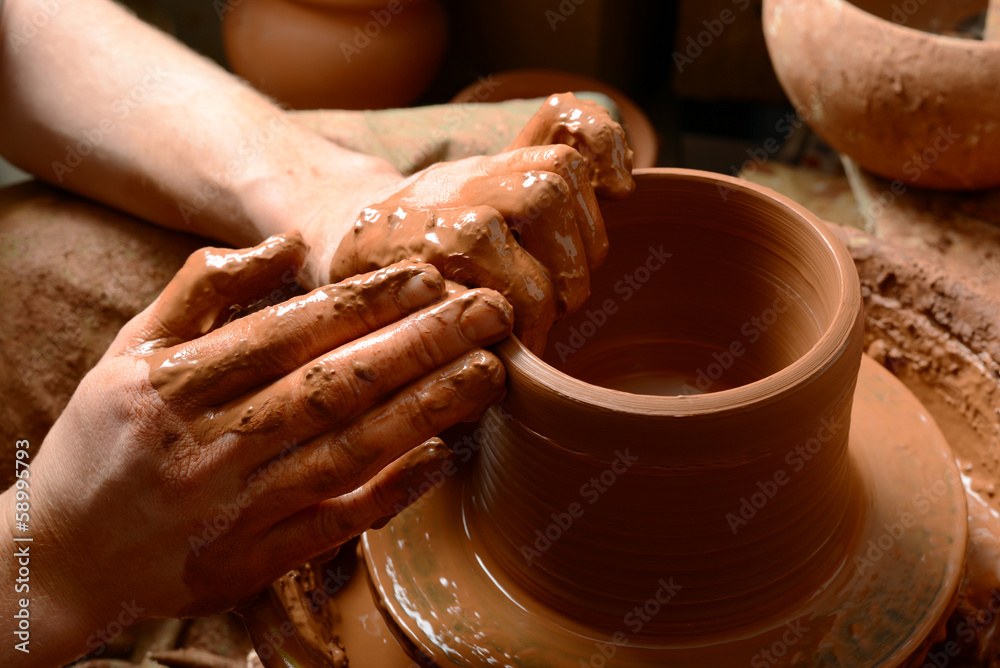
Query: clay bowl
pixel 702 467
pixel 336 54
pixel 904 103
pixel 527 84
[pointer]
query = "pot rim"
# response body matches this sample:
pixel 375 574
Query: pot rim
pixel 905 31
pixel 529 369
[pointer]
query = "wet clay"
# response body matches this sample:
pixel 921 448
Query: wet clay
pixel 942 339
pixel 904 103
pixel 199 298
pixel 354 306
pixel 574 480
pixel 460 243
pixel 520 84
pixel 516 229
pixel 566 119
pixel 313 616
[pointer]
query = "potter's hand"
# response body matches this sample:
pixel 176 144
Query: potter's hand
pixel 524 222
pixel 587 127
pixel 196 462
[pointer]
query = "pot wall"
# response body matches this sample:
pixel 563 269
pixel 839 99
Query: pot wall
pixel 684 460
pixel 905 104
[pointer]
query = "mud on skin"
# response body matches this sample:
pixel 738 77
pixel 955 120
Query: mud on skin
pixel 527 223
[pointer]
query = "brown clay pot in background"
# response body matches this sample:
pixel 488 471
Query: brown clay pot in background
pixel 902 102
pixel 526 84
pixel 753 488
pixel 337 54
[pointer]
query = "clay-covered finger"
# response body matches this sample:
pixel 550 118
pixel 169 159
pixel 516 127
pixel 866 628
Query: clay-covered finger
pixel 469 245
pixel 588 127
pixel 343 460
pixel 332 522
pixel 246 353
pixel 487 254
pixel 213 280
pixel 333 389
pixel 573 169
pixel 537 205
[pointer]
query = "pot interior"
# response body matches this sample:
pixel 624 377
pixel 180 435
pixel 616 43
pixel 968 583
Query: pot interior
pixel 964 18
pixel 703 290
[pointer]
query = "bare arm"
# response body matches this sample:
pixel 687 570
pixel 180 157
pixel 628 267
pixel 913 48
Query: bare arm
pixel 99 103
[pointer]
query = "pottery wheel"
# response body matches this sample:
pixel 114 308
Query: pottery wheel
pixel 897 583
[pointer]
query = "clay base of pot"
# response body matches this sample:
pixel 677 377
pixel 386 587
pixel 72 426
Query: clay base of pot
pixel 882 607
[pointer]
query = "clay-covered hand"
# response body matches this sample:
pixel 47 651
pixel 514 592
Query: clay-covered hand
pixel 525 222
pixel 587 127
pixel 199 461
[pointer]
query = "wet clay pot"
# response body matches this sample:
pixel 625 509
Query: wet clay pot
pixel 703 469
pixel 874 82
pixel 336 54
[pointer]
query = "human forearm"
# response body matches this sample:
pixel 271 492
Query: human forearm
pixel 104 105
pixel 36 624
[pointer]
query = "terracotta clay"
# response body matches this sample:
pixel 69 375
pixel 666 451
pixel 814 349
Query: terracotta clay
pixel 524 557
pixel 565 119
pixel 354 304
pixel 904 103
pixel 524 232
pixel 336 54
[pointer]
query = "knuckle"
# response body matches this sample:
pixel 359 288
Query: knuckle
pixel 425 410
pixel 485 225
pixel 554 185
pixel 340 466
pixel 423 343
pixel 201 258
pixel 328 393
pixel 564 154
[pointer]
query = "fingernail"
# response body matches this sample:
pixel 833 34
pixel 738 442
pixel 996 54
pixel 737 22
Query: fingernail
pixel 479 376
pixel 484 323
pixel 418 292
